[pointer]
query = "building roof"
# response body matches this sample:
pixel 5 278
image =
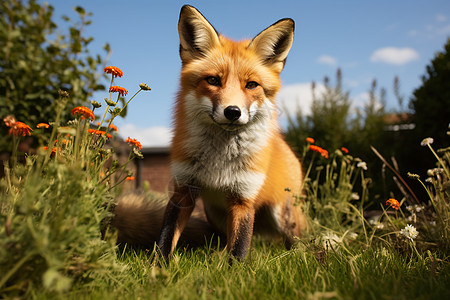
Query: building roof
pixel 155 150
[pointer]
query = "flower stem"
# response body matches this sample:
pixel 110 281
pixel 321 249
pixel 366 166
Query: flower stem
pixel 439 160
pixel 107 106
pixel 130 99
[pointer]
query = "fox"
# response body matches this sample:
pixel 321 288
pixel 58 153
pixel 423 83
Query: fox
pixel 228 155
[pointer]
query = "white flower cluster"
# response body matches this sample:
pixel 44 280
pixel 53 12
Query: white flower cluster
pixel 409 232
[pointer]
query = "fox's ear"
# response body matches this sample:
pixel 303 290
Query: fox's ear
pixel 273 43
pixel 197 35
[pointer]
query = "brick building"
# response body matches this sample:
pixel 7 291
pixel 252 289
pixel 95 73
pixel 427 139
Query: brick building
pixel 154 168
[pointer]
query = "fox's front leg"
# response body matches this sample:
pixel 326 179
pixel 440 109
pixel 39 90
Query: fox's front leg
pixel 177 213
pixel 240 220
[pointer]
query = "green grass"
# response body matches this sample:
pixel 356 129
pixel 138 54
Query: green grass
pixel 270 272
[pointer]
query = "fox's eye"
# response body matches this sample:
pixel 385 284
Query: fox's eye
pixel 212 80
pixel 251 85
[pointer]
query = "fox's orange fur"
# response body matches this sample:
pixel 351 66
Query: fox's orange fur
pixel 227 148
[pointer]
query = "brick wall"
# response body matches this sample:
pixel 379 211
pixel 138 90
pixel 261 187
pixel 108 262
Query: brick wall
pixel 154 169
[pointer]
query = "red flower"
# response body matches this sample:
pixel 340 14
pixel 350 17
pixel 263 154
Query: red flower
pixel 84 112
pixel 118 89
pixel 310 140
pixel 99 132
pixel 320 150
pixel 20 129
pixel 393 203
pixel 345 150
pixel 130 178
pixel 134 142
pixel 115 71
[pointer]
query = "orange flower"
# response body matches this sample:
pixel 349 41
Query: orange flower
pixel 115 71
pixel 130 178
pixel 134 142
pixel 345 150
pixel 393 203
pixel 310 140
pixel 99 132
pixel 42 125
pixel 84 112
pixel 20 129
pixel 320 150
pixel 113 127
pixel 118 89
pixel 53 150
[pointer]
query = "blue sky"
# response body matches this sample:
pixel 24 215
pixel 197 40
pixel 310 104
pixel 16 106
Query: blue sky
pixel 366 39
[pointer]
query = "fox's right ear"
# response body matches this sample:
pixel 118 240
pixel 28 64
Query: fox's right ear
pixel 197 35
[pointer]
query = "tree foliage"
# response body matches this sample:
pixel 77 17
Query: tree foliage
pixel 334 124
pixel 431 101
pixel 37 60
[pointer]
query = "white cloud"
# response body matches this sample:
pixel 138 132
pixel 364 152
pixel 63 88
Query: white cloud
pixel 413 32
pixel 359 100
pixel 327 60
pixel 157 136
pixel 441 18
pixel 296 96
pixel 394 56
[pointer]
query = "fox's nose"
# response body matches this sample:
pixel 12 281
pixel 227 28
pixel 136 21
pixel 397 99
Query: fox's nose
pixel 232 113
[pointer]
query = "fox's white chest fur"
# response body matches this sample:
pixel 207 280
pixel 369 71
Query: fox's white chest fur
pixel 221 159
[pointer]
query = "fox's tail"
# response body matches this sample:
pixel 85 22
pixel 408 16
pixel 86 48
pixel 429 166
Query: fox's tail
pixel 139 221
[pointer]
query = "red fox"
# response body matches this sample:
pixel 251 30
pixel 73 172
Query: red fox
pixel 227 148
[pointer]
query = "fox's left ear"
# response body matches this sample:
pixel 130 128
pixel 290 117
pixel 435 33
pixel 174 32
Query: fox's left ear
pixel 273 43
